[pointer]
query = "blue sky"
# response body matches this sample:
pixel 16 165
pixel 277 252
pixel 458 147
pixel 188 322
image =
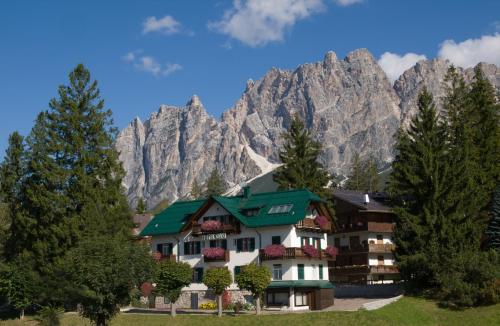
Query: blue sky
pixel 147 53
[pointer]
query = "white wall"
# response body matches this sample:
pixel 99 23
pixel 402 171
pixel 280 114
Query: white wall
pixel 373 259
pixel 363 236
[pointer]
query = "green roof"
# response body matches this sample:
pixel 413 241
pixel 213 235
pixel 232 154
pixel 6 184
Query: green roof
pixel 323 284
pixel 172 219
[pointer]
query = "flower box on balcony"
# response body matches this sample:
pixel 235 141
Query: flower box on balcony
pixel 310 251
pixel 274 251
pixel 211 226
pixel 321 221
pixel 331 251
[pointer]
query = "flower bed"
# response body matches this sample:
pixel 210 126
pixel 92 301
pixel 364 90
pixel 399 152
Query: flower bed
pixel 321 221
pixel 310 251
pixel 275 251
pixel 210 225
pixel 331 251
pixel 214 253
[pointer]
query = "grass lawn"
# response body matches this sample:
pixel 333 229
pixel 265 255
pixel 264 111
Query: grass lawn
pixel 407 311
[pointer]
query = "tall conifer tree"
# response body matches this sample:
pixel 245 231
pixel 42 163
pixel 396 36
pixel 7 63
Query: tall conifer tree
pixel 215 185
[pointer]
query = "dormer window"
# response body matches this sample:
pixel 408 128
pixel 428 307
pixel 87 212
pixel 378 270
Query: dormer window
pixel 280 209
pixel 251 212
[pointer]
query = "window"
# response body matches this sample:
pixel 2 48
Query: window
pixel 165 248
pixel 276 240
pixel 277 272
pixel 316 242
pixel 300 298
pixel 237 270
pixel 337 242
pixel 320 272
pixel 192 248
pixel 245 244
pixel 277 298
pixel 380 239
pixel 314 271
pixel 221 243
pixel 251 211
pixel 280 209
pixel 300 268
pixel 198 275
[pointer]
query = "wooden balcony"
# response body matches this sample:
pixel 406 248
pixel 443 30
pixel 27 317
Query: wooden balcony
pixel 365 226
pixel 364 269
pixel 384 269
pixel 168 258
pixel 308 224
pixel 226 228
pixel 225 258
pixel 295 253
pixel 365 248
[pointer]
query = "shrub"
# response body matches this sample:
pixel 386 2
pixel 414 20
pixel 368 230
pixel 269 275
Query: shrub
pixel 310 251
pixel 210 225
pixel 255 279
pixel 146 289
pixel 321 221
pixel 218 279
pixel 275 250
pixel 331 251
pixel 214 253
pixel 49 316
pixel 157 255
pixel 211 305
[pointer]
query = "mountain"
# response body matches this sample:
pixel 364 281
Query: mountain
pixel 349 104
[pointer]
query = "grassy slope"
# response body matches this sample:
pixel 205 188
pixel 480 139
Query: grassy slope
pixel 408 311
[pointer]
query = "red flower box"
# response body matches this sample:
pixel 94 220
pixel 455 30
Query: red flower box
pixel 310 251
pixel 210 225
pixel 321 220
pixel 331 251
pixel 214 253
pixel 275 250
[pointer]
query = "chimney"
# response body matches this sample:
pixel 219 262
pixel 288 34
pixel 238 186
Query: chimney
pixel 367 199
pixel 247 192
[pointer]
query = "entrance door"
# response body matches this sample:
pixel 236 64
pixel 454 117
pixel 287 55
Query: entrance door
pixel 194 300
pixel 311 298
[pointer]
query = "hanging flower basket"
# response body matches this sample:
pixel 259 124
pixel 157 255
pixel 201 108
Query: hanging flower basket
pixel 214 253
pixel 321 221
pixel 310 251
pixel 331 251
pixel 274 251
pixel 209 226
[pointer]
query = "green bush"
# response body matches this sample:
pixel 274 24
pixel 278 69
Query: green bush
pixel 49 316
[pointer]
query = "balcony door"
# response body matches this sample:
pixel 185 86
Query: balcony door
pixel 354 241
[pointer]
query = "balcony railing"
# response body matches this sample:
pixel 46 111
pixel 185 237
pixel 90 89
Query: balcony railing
pixel 224 258
pixel 225 228
pixel 309 225
pixel 168 258
pixel 295 253
pixel 365 226
pixel 384 269
pixel 365 269
pixel 364 248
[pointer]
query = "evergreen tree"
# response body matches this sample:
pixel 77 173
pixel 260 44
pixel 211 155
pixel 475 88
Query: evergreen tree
pixel 215 185
pixel 355 178
pixel 196 191
pixel 419 179
pixel 300 157
pixel 372 176
pixel 493 230
pixel 141 207
pixel 364 175
pixel 12 174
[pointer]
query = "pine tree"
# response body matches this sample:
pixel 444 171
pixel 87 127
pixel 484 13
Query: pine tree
pixel 493 230
pixel 141 207
pixel 363 175
pixel 372 176
pixel 300 157
pixel 196 191
pixel 215 185
pixel 419 180
pixel 355 177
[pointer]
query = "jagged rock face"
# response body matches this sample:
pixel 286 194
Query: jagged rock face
pixel 349 105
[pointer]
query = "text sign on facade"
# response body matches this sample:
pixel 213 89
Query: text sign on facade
pixel 216 236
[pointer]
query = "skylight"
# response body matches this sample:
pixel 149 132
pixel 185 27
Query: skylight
pixel 279 209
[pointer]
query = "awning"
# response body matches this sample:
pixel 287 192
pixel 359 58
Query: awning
pixel 301 284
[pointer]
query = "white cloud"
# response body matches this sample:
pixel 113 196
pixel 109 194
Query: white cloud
pixel 394 64
pixel 150 64
pixel 346 3
pixel 258 22
pixel 472 51
pixel 166 25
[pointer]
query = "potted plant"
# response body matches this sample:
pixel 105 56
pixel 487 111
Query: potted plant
pixel 310 251
pixel 275 250
pixel 214 253
pixel 331 251
pixel 211 225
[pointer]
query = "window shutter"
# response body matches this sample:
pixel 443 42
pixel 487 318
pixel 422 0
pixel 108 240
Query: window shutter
pixel 320 272
pixel 224 244
pixel 213 243
pixel 239 245
pixel 301 271
pixel 237 270
pixel 252 244
pixel 186 248
pixel 200 275
pixel 276 240
pixel 198 247
pixel 159 247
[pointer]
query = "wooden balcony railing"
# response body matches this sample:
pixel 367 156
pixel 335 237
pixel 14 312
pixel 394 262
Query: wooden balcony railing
pixel 364 248
pixel 309 225
pixel 224 258
pixel 365 226
pixel 384 269
pixel 168 258
pixel 226 228
pixel 364 269
pixel 295 253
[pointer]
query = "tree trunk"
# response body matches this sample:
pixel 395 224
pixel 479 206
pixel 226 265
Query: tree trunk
pixel 219 305
pixel 173 313
pixel 21 314
pixel 101 320
pixel 257 305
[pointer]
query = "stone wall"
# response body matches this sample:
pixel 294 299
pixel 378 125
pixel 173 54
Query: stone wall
pixel 203 297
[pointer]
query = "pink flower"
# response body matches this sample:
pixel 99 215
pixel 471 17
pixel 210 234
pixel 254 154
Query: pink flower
pixel 275 250
pixel 321 220
pixel 211 226
pixel 214 253
pixel 331 251
pixel 146 289
pixel 310 251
